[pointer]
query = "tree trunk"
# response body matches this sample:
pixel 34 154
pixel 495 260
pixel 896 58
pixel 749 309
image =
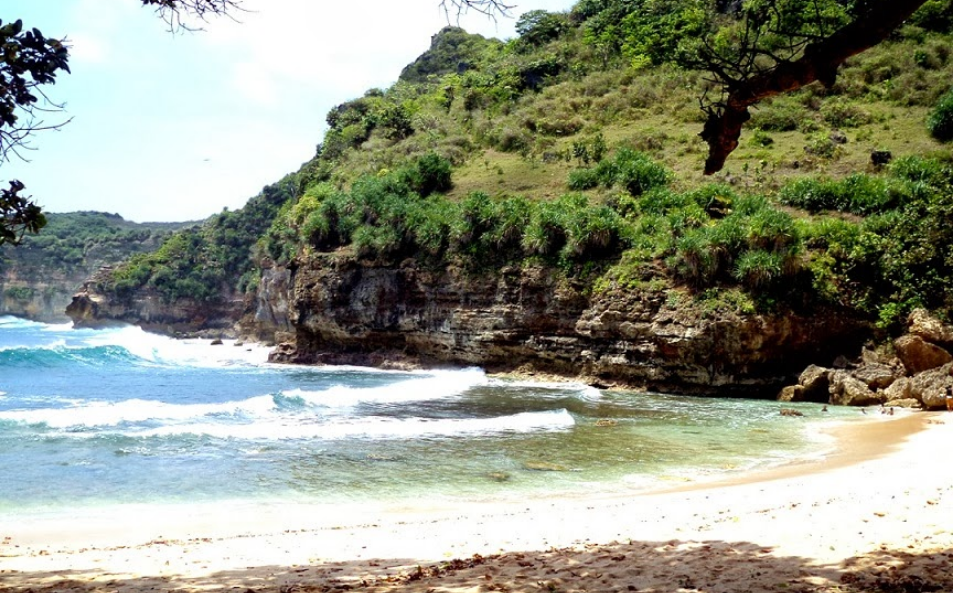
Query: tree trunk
pixel 819 62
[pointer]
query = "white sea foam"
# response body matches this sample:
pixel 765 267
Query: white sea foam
pixel 439 385
pixel 373 427
pixel 56 327
pixel 162 350
pixel 102 414
pixel 89 414
pixel 11 322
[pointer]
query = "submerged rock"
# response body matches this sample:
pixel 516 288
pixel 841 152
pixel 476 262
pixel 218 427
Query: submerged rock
pixel 544 466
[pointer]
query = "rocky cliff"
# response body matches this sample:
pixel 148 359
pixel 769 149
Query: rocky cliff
pixel 147 309
pixel 532 320
pixel 38 299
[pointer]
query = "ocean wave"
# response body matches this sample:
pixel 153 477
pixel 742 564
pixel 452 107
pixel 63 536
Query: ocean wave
pixel 295 402
pixel 103 414
pixel 166 351
pixel 59 354
pixel 580 390
pixel 11 322
pixel 438 385
pixel 373 428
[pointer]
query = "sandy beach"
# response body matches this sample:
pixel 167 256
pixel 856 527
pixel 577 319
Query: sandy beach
pixel 875 516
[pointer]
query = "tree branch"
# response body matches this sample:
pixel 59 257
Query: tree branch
pixel 490 8
pixel 819 62
pixel 175 13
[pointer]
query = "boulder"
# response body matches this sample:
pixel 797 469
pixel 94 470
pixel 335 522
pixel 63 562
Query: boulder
pixel 918 355
pixel 929 328
pixel 792 393
pixel 899 390
pixel 846 390
pixel 877 376
pixel 931 387
pixel 815 382
pixel 879 158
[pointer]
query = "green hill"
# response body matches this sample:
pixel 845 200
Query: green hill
pixel 38 277
pixel 576 146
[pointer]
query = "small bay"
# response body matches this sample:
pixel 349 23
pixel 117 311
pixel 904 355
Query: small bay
pixel 95 418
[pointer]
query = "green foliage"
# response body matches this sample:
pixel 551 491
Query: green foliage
pixel 19 293
pixel 756 244
pixel 78 243
pixel 657 31
pixel 429 174
pixel 630 170
pixel 18 214
pixel 452 51
pixel 537 27
pixel 839 113
pixel 28 61
pixel 858 193
pixel 781 114
pixel 940 122
pixel 206 262
pixel 896 259
pixel 935 15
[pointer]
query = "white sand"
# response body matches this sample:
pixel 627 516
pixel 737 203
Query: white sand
pixel 876 517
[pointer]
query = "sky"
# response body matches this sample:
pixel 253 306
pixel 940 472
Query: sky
pixel 175 127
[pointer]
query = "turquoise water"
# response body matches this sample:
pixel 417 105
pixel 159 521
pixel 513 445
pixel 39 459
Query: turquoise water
pixel 91 418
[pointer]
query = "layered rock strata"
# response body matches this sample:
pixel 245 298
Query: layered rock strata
pixel 147 309
pixel 532 320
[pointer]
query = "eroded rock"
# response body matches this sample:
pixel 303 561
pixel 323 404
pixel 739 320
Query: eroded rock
pixel 922 323
pixel 846 390
pixel 918 355
pixel 931 387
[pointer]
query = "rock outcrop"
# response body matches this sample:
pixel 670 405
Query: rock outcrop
pixel 921 375
pixel 267 312
pixel 147 309
pixel 347 311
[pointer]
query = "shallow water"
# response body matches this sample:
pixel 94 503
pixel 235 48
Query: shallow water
pixel 91 418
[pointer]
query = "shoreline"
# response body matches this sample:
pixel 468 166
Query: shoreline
pixel 886 489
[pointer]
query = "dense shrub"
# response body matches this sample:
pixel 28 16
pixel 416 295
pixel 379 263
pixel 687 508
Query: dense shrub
pixel 858 193
pixel 628 169
pixel 940 122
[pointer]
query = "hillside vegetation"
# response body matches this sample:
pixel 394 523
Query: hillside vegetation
pixel 49 267
pixel 576 146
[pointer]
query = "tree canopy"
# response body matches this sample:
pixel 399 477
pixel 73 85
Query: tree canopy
pixel 778 46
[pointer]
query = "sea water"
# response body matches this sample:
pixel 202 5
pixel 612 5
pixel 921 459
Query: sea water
pixel 95 418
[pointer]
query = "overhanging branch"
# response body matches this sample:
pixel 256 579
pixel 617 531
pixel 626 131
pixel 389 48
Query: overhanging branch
pixel 819 62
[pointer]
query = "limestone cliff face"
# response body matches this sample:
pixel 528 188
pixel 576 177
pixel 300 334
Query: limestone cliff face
pixel 40 299
pixel 267 312
pixel 344 311
pixel 145 308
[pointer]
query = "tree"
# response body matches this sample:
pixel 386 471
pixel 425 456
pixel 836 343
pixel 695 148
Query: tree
pixel 778 46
